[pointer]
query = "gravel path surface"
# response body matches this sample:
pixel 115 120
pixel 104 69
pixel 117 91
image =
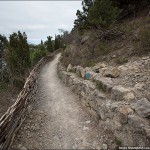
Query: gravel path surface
pixel 59 120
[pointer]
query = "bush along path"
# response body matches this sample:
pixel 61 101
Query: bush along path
pixel 59 120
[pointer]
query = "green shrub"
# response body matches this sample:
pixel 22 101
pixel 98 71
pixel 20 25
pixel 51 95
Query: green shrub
pixel 37 54
pixel 117 142
pixel 99 86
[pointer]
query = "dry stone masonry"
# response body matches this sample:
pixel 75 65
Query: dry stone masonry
pixel 119 96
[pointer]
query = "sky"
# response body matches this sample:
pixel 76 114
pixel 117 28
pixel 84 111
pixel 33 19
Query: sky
pixel 38 19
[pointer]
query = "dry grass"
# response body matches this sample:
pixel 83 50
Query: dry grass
pixel 133 43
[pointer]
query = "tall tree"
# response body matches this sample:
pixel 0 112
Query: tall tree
pixel 81 21
pixel 49 44
pixel 56 43
pixel 18 54
pixel 3 45
pixel 41 42
pixel 102 13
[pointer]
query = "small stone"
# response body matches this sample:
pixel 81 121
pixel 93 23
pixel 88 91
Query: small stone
pixel 129 96
pixel 25 128
pixel 137 75
pixel 114 56
pixel 99 66
pixel 126 110
pixel 142 107
pixel 102 65
pixel 145 58
pixel 113 73
pixel 85 128
pixel 78 70
pixel 87 122
pixel 122 68
pixel 69 68
pixel 139 86
pixel 105 83
pixel 136 122
pixel 105 146
pixel 118 92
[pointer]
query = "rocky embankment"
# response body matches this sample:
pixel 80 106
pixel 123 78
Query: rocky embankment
pixel 120 95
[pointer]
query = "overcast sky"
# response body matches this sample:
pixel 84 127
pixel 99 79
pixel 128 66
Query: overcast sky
pixel 38 19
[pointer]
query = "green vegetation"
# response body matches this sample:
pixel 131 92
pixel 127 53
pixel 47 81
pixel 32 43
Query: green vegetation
pixel 17 57
pixel 18 54
pixel 99 19
pixel 117 142
pixel 37 54
pixel 98 13
pixel 58 43
pixel 102 14
pixel 81 22
pixel 99 86
pixel 3 45
pixel 49 44
pixel 104 28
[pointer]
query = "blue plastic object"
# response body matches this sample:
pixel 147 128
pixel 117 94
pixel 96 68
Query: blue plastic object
pixel 87 75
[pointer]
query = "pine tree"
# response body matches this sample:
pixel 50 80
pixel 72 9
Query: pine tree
pixel 81 21
pixel 102 13
pixel 18 54
pixel 3 46
pixel 42 42
pixel 56 43
pixel 49 44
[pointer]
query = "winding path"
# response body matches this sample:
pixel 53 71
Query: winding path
pixel 59 120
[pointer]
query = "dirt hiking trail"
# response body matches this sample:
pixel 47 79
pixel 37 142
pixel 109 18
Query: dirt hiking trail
pixel 59 120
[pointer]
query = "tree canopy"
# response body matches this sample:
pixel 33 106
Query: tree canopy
pixel 18 54
pixel 102 13
pixel 49 44
pixel 3 46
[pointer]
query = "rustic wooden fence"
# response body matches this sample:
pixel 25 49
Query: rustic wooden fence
pixel 11 121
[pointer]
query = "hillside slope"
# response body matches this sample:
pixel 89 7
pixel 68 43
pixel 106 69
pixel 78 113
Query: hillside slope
pixel 118 66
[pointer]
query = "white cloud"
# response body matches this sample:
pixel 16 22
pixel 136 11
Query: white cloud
pixel 38 19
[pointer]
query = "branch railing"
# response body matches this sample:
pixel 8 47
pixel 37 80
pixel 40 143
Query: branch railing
pixel 11 121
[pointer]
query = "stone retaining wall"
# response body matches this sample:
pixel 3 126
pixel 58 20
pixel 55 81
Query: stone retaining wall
pixel 11 121
pixel 129 122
